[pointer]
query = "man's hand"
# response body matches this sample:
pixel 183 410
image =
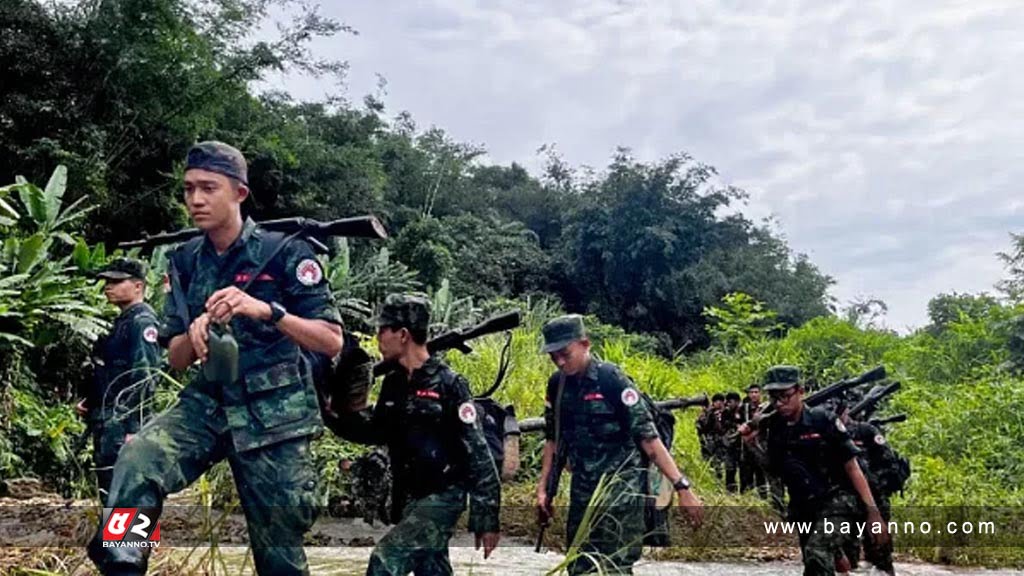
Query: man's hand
pixel 81 408
pixel 544 511
pixel 747 432
pixel 881 538
pixel 693 506
pixel 489 541
pixel 226 303
pixel 198 335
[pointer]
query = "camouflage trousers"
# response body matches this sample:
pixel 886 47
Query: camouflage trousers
pixel 107 440
pixel 276 484
pixel 606 532
pixel 819 548
pixel 879 556
pixel 419 542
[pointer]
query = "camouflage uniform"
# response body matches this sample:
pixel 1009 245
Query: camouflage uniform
pixel 876 457
pixel 729 446
pixel 601 421
pixel 751 473
pixel 809 456
pixel 126 360
pixel 262 423
pixel 433 433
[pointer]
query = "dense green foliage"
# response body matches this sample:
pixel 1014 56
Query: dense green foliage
pixel 119 89
pixel 679 286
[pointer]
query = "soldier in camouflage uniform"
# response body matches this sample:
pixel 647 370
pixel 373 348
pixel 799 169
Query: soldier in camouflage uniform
pixel 595 414
pixel 426 417
pixel 876 459
pixel 709 431
pixel 264 419
pixel 126 362
pixel 811 451
pixel 730 443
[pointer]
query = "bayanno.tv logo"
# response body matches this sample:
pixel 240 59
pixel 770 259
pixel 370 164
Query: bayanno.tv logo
pixel 130 528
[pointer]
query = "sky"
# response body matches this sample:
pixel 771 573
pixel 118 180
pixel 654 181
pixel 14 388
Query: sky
pixel 886 139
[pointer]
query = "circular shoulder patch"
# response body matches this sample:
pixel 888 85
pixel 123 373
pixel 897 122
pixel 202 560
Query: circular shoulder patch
pixel 166 284
pixel 840 426
pixel 309 272
pixel 630 396
pixel 880 440
pixel 149 334
pixel 467 412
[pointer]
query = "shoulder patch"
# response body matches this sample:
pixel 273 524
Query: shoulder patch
pixel 840 426
pixel 308 272
pixel 166 284
pixel 880 440
pixel 630 396
pixel 149 334
pixel 467 412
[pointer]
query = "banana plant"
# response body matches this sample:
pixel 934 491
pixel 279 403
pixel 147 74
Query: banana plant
pixel 39 290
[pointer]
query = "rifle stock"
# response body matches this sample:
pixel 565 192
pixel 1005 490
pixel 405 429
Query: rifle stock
pixel 890 420
pixel 457 339
pixel 829 392
pixel 312 230
pixel 868 405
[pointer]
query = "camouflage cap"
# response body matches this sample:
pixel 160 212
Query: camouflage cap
pixel 781 378
pixel 123 268
pixel 404 311
pixel 562 331
pixel 220 158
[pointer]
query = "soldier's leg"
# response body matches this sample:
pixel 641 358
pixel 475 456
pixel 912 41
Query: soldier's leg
pixel 104 455
pixel 165 457
pixel 277 487
pixel 419 542
pixel 731 466
pixel 827 541
pixel 612 531
pixel 746 472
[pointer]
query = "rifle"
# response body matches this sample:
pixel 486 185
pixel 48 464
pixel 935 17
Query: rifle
pixel 551 487
pixel 537 424
pixel 457 339
pixel 879 422
pixel 827 393
pixel 313 231
pixel 867 406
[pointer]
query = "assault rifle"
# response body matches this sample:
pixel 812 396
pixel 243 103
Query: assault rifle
pixel 829 392
pixel 458 339
pixel 879 422
pixel 537 424
pixel 869 404
pixel 313 231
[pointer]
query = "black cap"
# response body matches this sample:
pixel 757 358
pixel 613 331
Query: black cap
pixel 220 158
pixel 123 268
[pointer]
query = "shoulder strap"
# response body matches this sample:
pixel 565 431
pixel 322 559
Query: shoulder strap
pixel 272 245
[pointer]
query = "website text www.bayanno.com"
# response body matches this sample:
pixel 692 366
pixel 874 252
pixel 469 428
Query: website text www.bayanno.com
pixel 862 528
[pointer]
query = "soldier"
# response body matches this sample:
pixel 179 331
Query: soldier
pixel 126 360
pixel 429 423
pixel 876 459
pixel 709 432
pixel 730 440
pixel 751 473
pixel 595 414
pixel 254 404
pixel 811 451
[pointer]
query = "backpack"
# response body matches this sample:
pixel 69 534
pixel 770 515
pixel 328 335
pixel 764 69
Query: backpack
pixel 893 478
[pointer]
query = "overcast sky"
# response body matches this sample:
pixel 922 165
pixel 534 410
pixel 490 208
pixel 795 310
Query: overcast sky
pixel 885 137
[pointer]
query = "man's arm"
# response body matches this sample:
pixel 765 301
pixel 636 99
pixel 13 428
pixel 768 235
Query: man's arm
pixel 659 455
pixel 484 485
pixel 860 485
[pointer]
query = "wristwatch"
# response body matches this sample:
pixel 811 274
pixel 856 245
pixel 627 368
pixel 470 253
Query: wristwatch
pixel 681 484
pixel 276 313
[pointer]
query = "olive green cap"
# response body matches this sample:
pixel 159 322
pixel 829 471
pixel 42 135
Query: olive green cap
pixel 562 331
pixel 781 378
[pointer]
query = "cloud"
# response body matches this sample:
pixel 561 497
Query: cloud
pixel 884 137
